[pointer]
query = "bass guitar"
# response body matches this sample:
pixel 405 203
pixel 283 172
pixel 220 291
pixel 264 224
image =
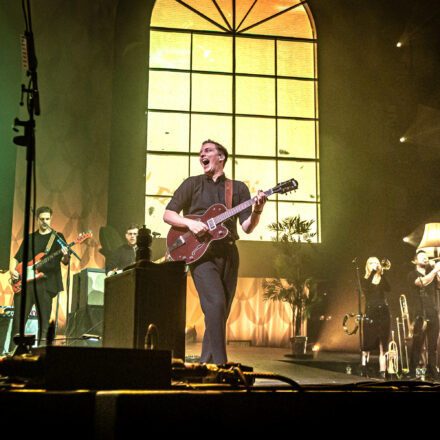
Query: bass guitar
pixel 42 258
pixel 183 245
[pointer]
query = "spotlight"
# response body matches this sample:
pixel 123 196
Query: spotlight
pixel 403 139
pixel 399 44
pixel 405 239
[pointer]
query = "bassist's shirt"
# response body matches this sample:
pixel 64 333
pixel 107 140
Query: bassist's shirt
pixel 51 269
pixel 198 193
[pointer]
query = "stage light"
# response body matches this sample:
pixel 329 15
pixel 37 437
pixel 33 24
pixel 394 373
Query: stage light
pixel 403 139
pixel 316 347
pixel 399 44
pixel 406 239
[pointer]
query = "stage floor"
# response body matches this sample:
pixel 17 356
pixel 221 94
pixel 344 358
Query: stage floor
pixel 325 368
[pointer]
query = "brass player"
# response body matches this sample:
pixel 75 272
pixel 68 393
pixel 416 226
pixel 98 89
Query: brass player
pixel 424 281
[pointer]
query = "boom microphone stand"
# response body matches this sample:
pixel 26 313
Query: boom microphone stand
pixel 23 342
pixel 361 316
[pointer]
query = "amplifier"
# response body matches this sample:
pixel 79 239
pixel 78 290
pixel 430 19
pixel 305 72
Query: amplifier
pixel 88 288
pixel 134 299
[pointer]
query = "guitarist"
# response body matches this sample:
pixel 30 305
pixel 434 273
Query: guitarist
pixel 215 274
pixel 41 291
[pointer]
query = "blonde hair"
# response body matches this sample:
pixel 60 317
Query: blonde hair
pixel 367 271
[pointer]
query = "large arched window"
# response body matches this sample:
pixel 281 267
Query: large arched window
pixel 242 73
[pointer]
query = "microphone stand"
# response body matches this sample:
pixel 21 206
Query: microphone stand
pixel 361 316
pixel 23 342
pixel 70 251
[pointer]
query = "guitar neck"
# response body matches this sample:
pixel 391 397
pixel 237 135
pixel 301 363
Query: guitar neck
pixel 50 257
pixel 237 209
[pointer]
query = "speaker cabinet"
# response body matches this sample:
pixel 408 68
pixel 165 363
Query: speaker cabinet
pixel 88 288
pixel 151 294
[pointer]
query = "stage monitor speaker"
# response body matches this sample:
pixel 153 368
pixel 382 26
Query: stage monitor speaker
pixel 88 288
pixel 152 294
pixel 72 368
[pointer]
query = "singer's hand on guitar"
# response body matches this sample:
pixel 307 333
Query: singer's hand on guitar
pixel 196 227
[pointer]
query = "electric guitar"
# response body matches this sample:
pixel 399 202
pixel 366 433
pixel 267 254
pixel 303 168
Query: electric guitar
pixel 32 267
pixel 183 245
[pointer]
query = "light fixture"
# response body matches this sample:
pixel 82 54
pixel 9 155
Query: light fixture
pixel 431 240
pixel 402 139
pixel 399 44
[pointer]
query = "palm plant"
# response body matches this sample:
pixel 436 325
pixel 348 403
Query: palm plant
pixel 292 285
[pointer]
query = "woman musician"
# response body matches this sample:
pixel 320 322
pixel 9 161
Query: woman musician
pixel 424 280
pixel 377 323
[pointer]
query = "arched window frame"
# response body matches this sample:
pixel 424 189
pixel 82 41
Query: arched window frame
pixel 158 194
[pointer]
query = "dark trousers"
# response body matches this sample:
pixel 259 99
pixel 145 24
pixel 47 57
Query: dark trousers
pixel 431 331
pixel 215 278
pixel 37 294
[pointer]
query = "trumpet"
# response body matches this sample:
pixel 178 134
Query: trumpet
pixel 385 264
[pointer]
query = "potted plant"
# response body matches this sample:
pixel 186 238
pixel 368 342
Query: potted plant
pixel 292 284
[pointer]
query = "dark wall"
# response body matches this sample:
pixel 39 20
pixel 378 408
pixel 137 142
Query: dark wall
pixel 10 74
pixel 129 122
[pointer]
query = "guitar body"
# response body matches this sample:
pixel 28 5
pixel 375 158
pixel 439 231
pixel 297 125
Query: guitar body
pixel 31 273
pixel 192 248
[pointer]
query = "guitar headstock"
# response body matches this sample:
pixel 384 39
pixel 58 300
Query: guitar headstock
pixel 84 236
pixel 287 186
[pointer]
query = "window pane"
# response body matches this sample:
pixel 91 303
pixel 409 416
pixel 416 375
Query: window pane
pixel 263 10
pixel 304 173
pixel 170 50
pixel 171 14
pixel 165 173
pixel 168 90
pixel 256 173
pixel 168 131
pixel 295 59
pixel 255 56
pixel 212 53
pixel 216 128
pixel 307 211
pixel 212 93
pixel 294 23
pixel 255 96
pixel 296 98
pixel 262 232
pixel 296 138
pixel 255 136
pixel 197 169
pixel 154 209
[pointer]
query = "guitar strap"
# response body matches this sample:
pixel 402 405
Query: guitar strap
pixel 49 243
pixel 228 193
